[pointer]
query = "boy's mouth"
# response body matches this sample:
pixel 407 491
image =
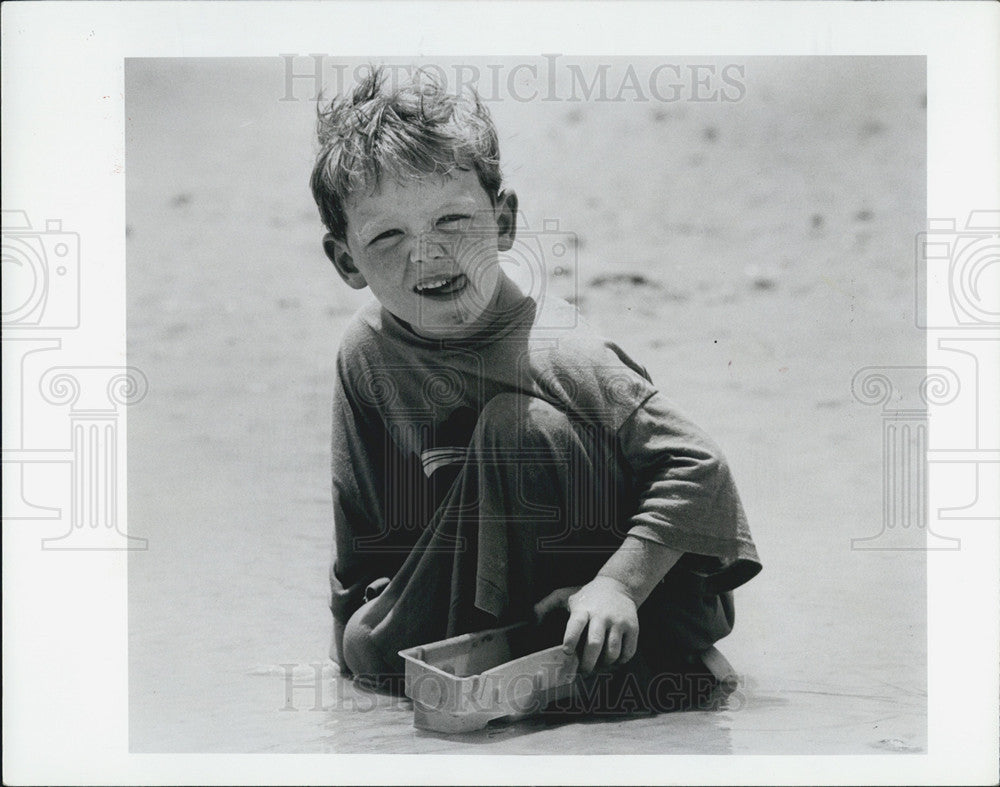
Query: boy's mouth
pixel 441 286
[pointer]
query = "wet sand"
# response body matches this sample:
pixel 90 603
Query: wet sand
pixel 753 256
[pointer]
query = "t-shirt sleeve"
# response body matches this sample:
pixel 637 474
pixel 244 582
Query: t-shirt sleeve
pixel 687 499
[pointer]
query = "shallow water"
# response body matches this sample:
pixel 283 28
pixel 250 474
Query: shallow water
pixel 749 311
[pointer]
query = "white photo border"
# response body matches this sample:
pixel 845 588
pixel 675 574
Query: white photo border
pixel 65 621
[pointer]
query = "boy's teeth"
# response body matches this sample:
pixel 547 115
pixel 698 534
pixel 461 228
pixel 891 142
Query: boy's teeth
pixel 433 285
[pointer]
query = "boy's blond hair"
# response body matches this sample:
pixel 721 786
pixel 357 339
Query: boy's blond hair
pixel 412 129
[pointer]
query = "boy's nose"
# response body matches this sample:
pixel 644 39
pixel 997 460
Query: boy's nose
pixel 432 246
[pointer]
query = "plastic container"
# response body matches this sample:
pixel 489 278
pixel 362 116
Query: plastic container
pixel 463 683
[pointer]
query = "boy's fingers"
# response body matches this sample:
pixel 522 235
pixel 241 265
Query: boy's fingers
pixel 546 605
pixel 630 644
pixel 594 646
pixel 574 628
pixel 613 648
pixel 556 599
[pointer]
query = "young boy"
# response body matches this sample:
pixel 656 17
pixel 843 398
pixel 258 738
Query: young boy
pixel 488 465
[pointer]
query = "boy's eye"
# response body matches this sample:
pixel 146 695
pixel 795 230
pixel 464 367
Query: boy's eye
pixel 453 220
pixel 383 236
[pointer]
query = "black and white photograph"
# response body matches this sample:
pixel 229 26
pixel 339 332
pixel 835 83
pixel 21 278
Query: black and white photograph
pixel 419 393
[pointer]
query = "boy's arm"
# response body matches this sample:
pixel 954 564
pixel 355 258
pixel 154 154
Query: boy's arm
pixel 687 497
pixel 358 465
pixel 687 503
pixel 638 566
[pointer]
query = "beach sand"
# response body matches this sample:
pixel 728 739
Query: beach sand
pixel 752 255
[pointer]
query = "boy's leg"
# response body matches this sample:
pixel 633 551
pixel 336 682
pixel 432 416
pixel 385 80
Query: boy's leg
pixel 679 619
pixel 536 506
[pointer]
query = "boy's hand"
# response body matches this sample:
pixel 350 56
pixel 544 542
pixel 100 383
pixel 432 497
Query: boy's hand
pixel 606 612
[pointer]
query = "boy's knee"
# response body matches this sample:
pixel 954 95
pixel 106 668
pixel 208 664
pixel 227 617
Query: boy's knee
pixel 512 420
pixel 688 622
pixel 359 651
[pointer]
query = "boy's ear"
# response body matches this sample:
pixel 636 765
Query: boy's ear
pixel 338 253
pixel 506 219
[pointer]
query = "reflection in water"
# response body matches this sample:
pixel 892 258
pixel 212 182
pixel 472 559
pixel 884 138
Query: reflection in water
pixel 342 717
pixel 362 721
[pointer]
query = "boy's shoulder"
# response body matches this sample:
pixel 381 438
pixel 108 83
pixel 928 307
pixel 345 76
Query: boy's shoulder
pixel 360 338
pixel 573 342
pixel 364 324
pixel 583 371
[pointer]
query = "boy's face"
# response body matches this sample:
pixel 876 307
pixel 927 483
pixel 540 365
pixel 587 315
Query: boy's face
pixel 428 249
